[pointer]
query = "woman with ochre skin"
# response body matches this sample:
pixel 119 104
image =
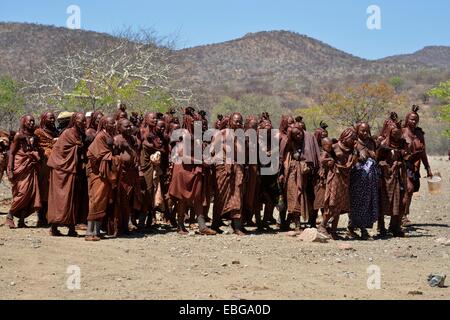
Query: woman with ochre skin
pixel 364 180
pixel 415 137
pixel 228 201
pixel 48 135
pixel 128 186
pixel 102 170
pixel 392 156
pixel 23 168
pixel 337 195
pixel 294 176
pixel 252 187
pixel 66 173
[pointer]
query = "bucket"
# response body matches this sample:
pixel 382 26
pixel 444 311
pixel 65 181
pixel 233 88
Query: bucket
pixel 434 185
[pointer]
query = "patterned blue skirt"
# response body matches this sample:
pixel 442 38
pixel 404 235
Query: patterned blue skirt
pixel 364 194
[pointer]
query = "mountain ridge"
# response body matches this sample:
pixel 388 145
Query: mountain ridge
pixel 268 62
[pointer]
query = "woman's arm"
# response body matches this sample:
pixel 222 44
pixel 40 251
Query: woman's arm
pixel 12 153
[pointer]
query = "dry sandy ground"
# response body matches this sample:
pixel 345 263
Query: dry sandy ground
pixel 270 266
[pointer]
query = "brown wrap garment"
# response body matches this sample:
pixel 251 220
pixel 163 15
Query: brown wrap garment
pixel 65 185
pixel 127 195
pixel 337 195
pixel 393 177
pixel 320 182
pixel 25 185
pixel 46 142
pixel 296 175
pixel 229 193
pixel 416 143
pixel 102 175
pixel 229 179
pixel 187 177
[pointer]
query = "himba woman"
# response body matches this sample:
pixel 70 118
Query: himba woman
pixel 47 135
pixel 270 191
pixel 285 122
pixel 90 133
pixel 320 183
pixel 229 176
pixel 23 168
pixel 217 221
pixel 311 152
pixel 186 186
pixel 337 195
pixel 391 121
pixel 66 164
pixel 364 183
pixel 4 148
pixel 392 156
pixel 91 128
pixel 163 145
pixel 252 185
pixel 126 195
pixel 320 178
pixel 415 137
pixel 147 168
pixel 102 170
pixel 160 159
pixel 293 175
pixel 208 178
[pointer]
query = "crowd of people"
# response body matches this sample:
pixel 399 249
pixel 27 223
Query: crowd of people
pixel 114 175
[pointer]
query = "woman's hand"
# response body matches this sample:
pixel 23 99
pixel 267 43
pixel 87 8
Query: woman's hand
pixel 156 162
pixel 363 156
pixel 330 164
pixel 125 157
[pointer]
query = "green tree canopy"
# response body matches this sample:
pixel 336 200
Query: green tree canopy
pixel 442 92
pixel 12 102
pixel 397 82
pixel 366 102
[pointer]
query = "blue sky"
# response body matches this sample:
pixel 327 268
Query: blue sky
pixel 406 26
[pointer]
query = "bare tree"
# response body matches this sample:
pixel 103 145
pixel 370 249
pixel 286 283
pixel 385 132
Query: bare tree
pixel 89 75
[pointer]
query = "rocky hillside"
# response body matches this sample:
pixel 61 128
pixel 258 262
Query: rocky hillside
pixel 276 57
pixel 274 63
pixel 435 56
pixel 26 46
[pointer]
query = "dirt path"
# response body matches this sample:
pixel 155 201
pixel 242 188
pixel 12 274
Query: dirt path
pixel 271 266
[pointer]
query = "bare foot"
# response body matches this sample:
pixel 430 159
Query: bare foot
pixel 208 232
pixel 132 227
pixel 10 223
pixel 239 232
pixel 183 232
pixel 92 238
